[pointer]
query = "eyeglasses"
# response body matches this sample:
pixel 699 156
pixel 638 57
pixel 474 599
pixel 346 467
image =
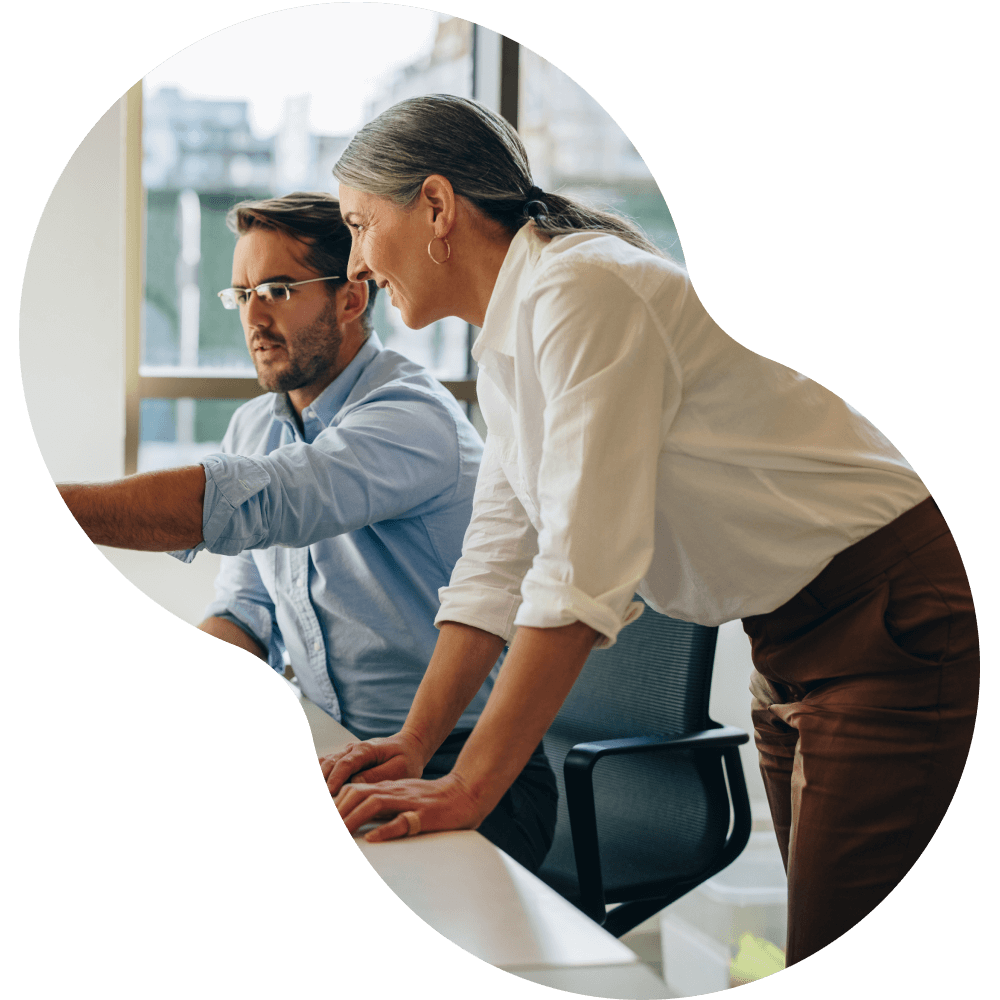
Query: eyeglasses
pixel 270 292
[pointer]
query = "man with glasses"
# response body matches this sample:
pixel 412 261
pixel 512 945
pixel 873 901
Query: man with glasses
pixel 339 501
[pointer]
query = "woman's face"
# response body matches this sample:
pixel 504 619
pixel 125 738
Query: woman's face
pixel 389 246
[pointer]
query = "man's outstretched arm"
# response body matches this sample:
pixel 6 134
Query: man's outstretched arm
pixel 153 511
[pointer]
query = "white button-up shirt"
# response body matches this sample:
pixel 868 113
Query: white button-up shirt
pixel 634 446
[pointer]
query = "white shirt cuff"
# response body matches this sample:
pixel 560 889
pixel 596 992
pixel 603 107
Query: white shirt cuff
pixel 550 604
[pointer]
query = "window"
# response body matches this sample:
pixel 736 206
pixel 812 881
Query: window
pixel 575 148
pixel 213 130
pixel 210 137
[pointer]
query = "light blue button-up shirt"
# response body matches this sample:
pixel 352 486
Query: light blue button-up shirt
pixel 336 539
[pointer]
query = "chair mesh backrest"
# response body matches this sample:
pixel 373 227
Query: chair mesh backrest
pixel 661 815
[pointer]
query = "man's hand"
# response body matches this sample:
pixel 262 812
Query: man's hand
pixel 153 512
pixel 379 759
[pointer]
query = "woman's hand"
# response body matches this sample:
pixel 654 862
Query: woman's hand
pixel 379 759
pixel 411 806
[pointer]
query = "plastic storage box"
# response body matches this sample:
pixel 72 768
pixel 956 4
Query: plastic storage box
pixel 700 933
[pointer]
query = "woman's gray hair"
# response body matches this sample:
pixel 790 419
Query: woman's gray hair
pixel 480 154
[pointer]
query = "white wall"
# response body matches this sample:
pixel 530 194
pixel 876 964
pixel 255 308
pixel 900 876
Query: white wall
pixel 73 348
pixel 73 310
pixel 730 704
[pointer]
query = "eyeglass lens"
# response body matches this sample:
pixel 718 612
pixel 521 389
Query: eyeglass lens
pixel 269 293
pixel 273 293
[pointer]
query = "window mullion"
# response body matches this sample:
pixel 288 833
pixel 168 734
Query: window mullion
pixel 134 256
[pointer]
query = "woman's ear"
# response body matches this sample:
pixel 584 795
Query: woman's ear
pixel 439 196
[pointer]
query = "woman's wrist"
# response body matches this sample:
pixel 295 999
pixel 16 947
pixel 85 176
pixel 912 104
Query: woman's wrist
pixel 462 660
pixel 536 677
pixel 422 747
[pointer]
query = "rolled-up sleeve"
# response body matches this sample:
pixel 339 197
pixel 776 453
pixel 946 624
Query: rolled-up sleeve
pixel 500 542
pixel 603 369
pixel 385 459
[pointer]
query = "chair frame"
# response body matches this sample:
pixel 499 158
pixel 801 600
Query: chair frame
pixel 578 771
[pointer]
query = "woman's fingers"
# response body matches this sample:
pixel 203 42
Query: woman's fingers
pixel 393 830
pixel 360 804
pixel 409 806
pixel 356 757
pixel 380 759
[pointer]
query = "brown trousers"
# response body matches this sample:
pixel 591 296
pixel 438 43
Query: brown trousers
pixel 864 701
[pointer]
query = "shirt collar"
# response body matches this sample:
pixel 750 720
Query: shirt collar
pixel 331 400
pixel 499 328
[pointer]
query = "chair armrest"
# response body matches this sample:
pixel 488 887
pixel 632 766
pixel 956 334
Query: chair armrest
pixel 586 755
pixel 578 773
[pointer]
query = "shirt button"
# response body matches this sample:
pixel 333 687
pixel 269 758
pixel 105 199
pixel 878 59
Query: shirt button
pixel 316 646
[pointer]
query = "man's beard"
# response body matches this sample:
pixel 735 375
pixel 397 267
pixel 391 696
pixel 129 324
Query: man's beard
pixel 315 354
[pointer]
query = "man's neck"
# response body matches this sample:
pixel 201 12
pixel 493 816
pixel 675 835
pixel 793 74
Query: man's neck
pixel 300 398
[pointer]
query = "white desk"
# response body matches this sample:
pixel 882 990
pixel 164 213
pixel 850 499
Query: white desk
pixel 488 904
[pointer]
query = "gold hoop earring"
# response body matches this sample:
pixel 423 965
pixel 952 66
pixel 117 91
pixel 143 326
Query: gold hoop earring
pixel 445 242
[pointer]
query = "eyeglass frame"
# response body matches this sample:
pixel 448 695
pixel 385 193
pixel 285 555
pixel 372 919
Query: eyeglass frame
pixel 287 285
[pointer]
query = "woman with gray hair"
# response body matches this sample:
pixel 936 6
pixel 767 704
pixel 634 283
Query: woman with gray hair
pixel 633 446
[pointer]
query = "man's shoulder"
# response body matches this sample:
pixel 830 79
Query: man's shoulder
pixel 389 366
pixel 249 421
pixel 390 375
pixel 397 383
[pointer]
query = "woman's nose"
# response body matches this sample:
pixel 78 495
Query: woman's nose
pixel 357 270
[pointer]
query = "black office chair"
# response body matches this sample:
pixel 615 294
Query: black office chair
pixel 647 808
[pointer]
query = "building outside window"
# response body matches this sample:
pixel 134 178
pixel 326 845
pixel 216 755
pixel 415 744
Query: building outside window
pixel 574 147
pixel 203 152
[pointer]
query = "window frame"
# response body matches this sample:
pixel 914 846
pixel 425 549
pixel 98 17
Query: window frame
pixel 496 78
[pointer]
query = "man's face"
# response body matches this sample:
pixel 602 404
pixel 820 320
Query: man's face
pixel 294 344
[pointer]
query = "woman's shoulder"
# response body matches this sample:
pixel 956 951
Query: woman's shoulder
pixel 599 262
